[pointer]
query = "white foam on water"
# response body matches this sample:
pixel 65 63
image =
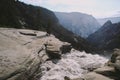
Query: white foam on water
pixel 73 65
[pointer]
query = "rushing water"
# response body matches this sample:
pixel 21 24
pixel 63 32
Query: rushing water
pixel 73 65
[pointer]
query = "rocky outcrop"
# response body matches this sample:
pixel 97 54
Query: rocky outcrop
pixel 95 76
pixel 21 55
pixel 55 49
pixel 110 71
pixel 107 37
pixel 15 58
pixel 115 60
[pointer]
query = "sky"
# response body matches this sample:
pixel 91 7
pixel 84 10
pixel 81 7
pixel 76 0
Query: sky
pixel 97 8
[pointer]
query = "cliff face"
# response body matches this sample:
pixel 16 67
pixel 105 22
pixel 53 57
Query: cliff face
pixel 16 14
pixel 79 23
pixel 107 37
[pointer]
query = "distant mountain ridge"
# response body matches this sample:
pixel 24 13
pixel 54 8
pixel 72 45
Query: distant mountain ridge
pixel 107 37
pixel 112 19
pixel 79 23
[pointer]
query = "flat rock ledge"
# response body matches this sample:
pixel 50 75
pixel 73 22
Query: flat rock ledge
pixel 23 51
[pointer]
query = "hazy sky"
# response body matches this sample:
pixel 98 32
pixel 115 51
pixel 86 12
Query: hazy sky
pixel 97 8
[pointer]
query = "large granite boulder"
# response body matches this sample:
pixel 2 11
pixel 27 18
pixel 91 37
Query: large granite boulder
pixel 53 51
pixel 54 48
pixel 23 51
pixel 17 60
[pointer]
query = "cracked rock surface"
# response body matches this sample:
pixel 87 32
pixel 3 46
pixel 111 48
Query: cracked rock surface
pixel 22 52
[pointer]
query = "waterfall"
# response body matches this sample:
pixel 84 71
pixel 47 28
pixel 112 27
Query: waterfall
pixel 73 65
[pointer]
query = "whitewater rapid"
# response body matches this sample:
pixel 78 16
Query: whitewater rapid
pixel 73 65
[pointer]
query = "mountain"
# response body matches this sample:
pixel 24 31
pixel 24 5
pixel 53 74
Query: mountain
pixel 107 37
pixel 112 19
pixel 79 23
pixel 16 14
pixel 20 15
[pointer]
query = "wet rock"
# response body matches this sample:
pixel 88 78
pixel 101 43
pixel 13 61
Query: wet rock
pixel 115 60
pixel 95 76
pixel 54 54
pixel 105 69
pixel 66 78
pixel 115 55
